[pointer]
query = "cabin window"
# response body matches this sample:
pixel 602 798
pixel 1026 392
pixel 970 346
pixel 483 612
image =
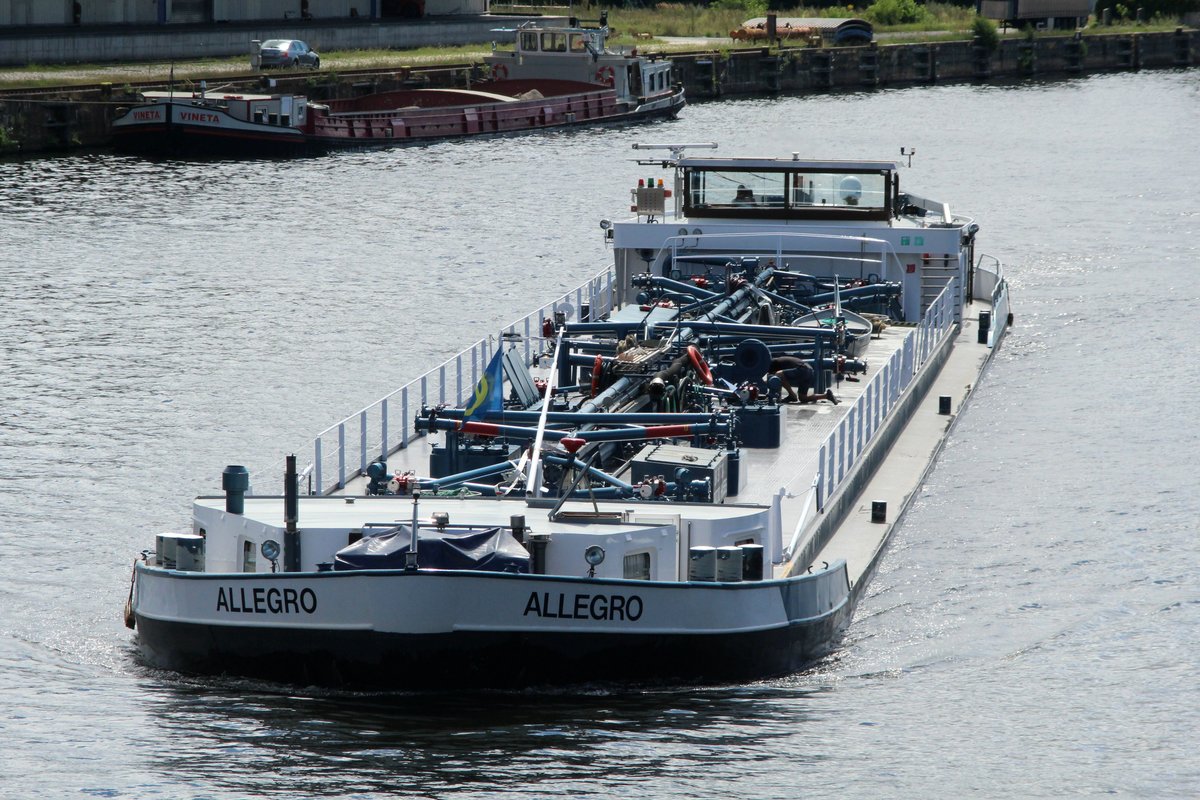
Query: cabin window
pixel 529 41
pixel 839 190
pixel 637 566
pixel 733 189
pixel 554 43
pixel 792 190
pixel 578 42
pixel 249 559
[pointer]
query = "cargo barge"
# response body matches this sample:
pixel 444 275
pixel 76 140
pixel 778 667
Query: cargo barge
pixel 683 472
pixel 553 77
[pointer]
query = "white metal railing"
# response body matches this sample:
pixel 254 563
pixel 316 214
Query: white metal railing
pixel 846 443
pixel 345 449
pixel 795 245
pixel 989 284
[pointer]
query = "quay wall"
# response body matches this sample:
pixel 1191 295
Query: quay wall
pixel 766 70
pixel 41 120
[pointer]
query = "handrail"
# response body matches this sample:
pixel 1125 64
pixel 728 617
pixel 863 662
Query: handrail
pixel 994 289
pixel 889 259
pixel 841 449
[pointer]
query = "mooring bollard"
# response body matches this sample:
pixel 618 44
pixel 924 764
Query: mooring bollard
pixel 985 325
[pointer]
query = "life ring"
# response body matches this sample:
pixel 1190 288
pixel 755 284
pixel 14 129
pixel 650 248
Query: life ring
pixel 607 76
pixel 597 373
pixel 499 72
pixel 700 365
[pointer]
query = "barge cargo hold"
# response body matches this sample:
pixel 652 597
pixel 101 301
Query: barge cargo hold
pixel 613 490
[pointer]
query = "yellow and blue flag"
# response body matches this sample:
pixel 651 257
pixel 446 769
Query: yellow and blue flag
pixel 487 397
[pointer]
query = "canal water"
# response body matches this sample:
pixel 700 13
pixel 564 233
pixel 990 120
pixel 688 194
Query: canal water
pixel 1034 630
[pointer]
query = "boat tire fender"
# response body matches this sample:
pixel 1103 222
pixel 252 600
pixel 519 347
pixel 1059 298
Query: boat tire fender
pixel 700 365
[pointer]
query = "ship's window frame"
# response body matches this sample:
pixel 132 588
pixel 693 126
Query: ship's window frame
pixel 554 42
pixel 641 570
pixel 529 41
pixel 249 556
pixel 834 192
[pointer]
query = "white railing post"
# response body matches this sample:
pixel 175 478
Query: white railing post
pixel 821 479
pixel 384 447
pixel 458 377
pixel 341 454
pixel 475 357
pixel 841 446
pixel 859 408
pixel 317 465
pixel 362 445
pixel 404 429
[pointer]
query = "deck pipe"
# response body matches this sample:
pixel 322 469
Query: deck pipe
pixel 786 301
pixel 617 329
pixel 656 295
pixel 463 477
pixel 579 418
pixel 626 388
pixel 756 331
pixel 628 433
pixel 575 463
pixel 589 359
pixel 871 290
pixel 646 280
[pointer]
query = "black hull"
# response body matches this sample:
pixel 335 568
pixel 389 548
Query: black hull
pixel 177 141
pixel 497 660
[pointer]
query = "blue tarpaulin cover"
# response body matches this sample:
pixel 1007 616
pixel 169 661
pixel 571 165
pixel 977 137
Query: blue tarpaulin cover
pixel 487 549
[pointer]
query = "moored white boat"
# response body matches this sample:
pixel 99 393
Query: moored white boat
pixel 610 490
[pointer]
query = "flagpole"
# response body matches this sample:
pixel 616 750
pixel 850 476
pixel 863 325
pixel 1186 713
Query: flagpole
pixel 533 486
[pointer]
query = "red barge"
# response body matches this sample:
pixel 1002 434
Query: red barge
pixel 553 77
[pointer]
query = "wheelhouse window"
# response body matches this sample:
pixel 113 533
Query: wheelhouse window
pixel 554 42
pixel 798 193
pixel 529 41
pixel 579 42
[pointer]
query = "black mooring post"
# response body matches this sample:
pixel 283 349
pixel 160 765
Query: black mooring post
pixel 291 515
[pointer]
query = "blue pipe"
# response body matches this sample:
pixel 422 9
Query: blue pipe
pixel 463 477
pixel 755 331
pixel 596 473
pixel 679 286
pixel 581 418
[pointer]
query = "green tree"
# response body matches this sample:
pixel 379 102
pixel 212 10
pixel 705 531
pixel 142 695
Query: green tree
pixel 895 12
